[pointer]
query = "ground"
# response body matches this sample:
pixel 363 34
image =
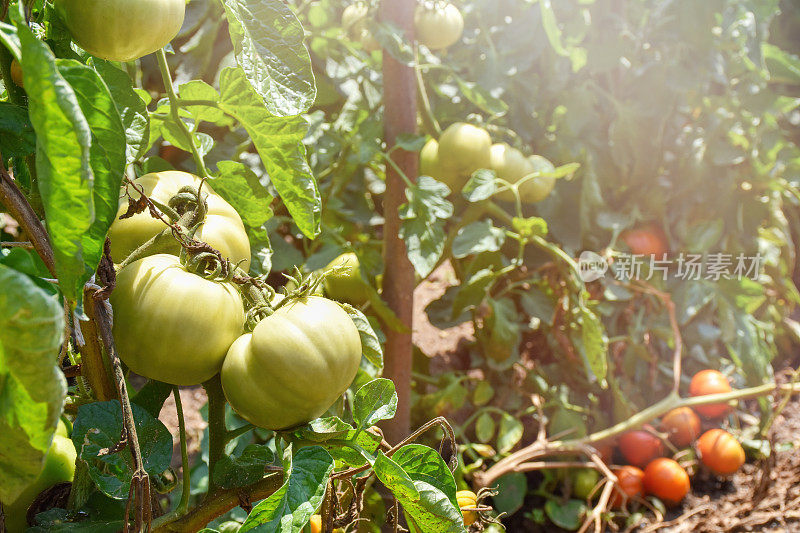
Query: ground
pixel 762 497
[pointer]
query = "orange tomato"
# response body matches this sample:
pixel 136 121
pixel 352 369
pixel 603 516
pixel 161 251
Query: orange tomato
pixel 682 425
pixel 720 452
pixel 630 484
pixel 316 523
pixel 667 480
pixel 639 447
pixel 710 382
pixel 646 240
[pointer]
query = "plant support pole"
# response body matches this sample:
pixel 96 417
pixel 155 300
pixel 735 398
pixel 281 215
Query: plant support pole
pixel 400 117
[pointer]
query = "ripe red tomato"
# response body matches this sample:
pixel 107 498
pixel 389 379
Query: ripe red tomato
pixel 639 447
pixel 720 452
pixel 630 484
pixel 710 382
pixel 646 240
pixel 667 480
pixel 682 425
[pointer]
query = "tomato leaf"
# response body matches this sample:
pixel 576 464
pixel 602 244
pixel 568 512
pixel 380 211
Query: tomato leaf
pixel 97 429
pixel 63 521
pixel 423 463
pixel 370 344
pixel 484 427
pixel 279 142
pixel 268 41
pixel 480 236
pixel 512 489
pixel 481 185
pixel 509 433
pixel 17 138
pixel 593 344
pixel 566 515
pixel 422 223
pixel 375 401
pixel 240 187
pixel 290 508
pixel 245 469
pixel 32 387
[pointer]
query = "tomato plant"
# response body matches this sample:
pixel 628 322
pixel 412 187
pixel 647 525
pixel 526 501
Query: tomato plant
pixel 682 425
pixel 710 382
pixel 630 485
pixel 639 447
pixel 667 480
pixel 720 452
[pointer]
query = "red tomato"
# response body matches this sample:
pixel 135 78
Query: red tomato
pixel 630 484
pixel 639 447
pixel 667 480
pixel 682 425
pixel 646 240
pixel 720 452
pixel 710 382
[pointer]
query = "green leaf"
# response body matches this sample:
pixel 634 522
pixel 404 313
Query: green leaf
pixel 482 98
pixel 395 478
pixel 375 401
pixel 244 469
pixel 480 236
pixel 290 508
pixel 594 344
pixel 509 434
pixel 279 142
pixel 200 90
pixel 32 387
pixel 268 41
pixel 512 489
pixel 567 515
pixel 132 110
pixel 472 293
pixel 239 186
pixel 481 185
pixel 17 138
pixel 783 67
pixel 423 463
pixel 370 344
pixel 422 223
pixel 98 428
pixel 63 521
pixel 484 427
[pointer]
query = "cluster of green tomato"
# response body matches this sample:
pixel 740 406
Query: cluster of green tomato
pixel 463 148
pixel 437 25
pixel 177 326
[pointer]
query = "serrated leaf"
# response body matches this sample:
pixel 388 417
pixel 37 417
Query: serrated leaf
pixel 481 185
pixel 370 344
pixel 290 508
pixel 480 236
pixel 244 469
pixel 268 42
pixel 32 387
pixel 422 223
pixel 375 401
pixel 279 142
pixel 239 186
pixel 98 428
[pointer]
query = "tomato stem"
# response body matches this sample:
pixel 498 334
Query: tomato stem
pixel 217 430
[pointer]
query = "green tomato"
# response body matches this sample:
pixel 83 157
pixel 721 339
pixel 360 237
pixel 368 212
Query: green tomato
pixel 59 467
pixel 294 366
pixel 223 228
pixel 584 480
pixel 122 30
pixel 510 165
pixel 438 27
pixel 172 325
pixel 344 282
pixel 463 149
pixel 540 187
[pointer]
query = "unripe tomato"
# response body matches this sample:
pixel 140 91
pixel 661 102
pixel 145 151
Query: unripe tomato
pixel 630 484
pixel 646 240
pixel 467 499
pixel 59 467
pixel 16 73
pixel 510 165
pixel 667 480
pixel 639 447
pixel 172 325
pixel 682 425
pixel 710 382
pixel 295 364
pixel 355 19
pixel 223 228
pixel 439 26
pixel 122 30
pixel 720 452
pixel 343 282
pixel 463 149
pixel 584 480
pixel 538 188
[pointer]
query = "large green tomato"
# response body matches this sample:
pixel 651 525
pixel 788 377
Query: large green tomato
pixel 438 27
pixel 355 20
pixel 295 364
pixel 510 165
pixel 344 282
pixel 223 228
pixel 173 325
pixel 122 30
pixel 59 467
pixel 463 149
